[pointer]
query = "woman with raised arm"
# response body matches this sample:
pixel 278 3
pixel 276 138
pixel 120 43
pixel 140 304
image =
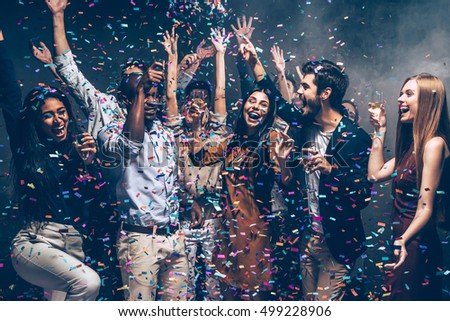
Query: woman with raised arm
pixel 253 158
pixel 423 135
pixel 56 177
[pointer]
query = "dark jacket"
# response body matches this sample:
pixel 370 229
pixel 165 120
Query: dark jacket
pixel 10 93
pixel 343 193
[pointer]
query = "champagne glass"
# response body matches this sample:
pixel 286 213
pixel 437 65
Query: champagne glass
pixel 375 104
pixel 309 149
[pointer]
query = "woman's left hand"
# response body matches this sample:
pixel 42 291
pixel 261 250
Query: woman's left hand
pixel 283 144
pixel 87 149
pixel 400 254
pixel 278 59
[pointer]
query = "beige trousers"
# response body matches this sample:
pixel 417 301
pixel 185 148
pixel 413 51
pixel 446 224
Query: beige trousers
pixel 52 257
pixel 322 276
pixel 154 267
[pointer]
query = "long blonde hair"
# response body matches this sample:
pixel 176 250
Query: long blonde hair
pixel 430 121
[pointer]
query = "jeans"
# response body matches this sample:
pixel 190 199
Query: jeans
pixel 52 257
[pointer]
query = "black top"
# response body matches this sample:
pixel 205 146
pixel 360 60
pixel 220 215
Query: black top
pixel 68 201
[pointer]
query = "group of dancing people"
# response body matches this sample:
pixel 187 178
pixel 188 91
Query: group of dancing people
pixel 180 179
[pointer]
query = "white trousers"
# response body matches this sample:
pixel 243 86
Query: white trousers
pixel 52 257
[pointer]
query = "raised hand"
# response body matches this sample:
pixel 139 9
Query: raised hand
pixel 42 53
pixel 378 118
pixel 156 72
pixel 278 59
pixel 188 61
pixel 283 144
pixel 243 29
pixel 56 6
pixel 170 43
pixel 299 72
pixel 219 39
pixel 205 52
pixel 247 49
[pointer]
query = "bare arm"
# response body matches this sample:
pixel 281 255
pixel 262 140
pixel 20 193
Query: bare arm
pixel 43 54
pixel 248 52
pixel 280 66
pixel 433 164
pixel 220 41
pixel 245 28
pixel 171 47
pixel 134 127
pixel 378 170
pixel 191 62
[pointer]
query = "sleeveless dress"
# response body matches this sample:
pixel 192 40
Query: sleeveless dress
pixel 418 277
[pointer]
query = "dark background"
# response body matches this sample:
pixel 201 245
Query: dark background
pixel 380 43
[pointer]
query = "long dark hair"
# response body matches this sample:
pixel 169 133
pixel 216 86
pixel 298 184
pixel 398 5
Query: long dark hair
pixel 241 126
pixel 31 159
pixel 259 143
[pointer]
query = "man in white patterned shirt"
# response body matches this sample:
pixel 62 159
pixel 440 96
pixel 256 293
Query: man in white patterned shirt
pixel 150 247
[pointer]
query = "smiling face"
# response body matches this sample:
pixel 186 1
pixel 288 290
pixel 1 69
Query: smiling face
pixel 308 95
pixel 408 101
pixel 255 111
pixel 199 93
pixel 54 119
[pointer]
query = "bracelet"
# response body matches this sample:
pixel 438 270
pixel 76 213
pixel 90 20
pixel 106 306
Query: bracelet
pixel 399 238
pixel 376 136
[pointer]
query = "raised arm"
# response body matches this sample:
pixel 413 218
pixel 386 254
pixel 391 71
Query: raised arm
pixel 249 54
pixel 134 127
pixel 100 108
pixel 288 112
pixel 245 28
pixel 43 54
pixel 378 170
pixel 171 47
pixel 280 66
pixel 191 62
pixel 57 8
pixel 220 41
pixel 10 93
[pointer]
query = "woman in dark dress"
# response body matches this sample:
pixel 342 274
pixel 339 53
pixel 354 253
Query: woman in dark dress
pixel 423 134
